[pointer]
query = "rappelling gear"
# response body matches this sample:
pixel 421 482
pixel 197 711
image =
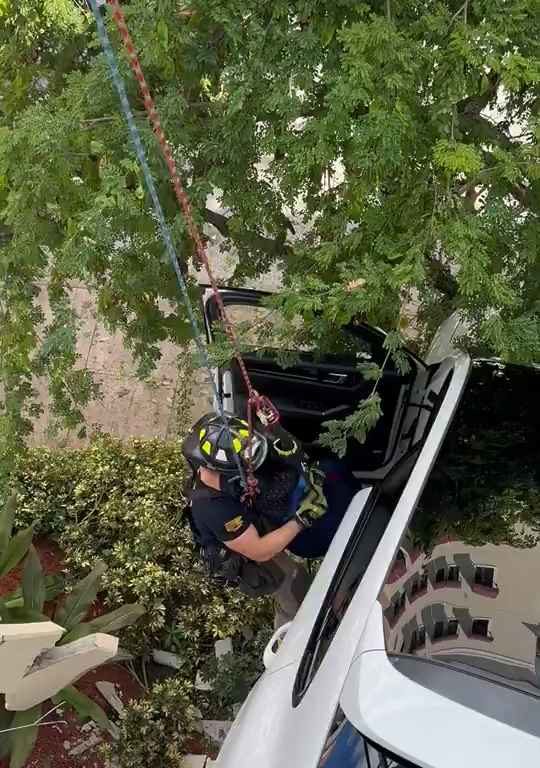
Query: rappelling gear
pixel 228 568
pixel 256 403
pixel 290 487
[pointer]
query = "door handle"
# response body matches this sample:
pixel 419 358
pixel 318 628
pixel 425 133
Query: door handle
pixel 335 378
pixel 276 639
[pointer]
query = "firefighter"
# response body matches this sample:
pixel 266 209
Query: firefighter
pixel 245 544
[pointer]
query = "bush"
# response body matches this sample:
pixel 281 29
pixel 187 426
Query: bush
pixel 232 676
pixel 154 730
pixel 123 503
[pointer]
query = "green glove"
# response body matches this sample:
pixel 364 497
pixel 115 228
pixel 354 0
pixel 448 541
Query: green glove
pixel 314 505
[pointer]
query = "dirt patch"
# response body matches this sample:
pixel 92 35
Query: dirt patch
pixel 55 742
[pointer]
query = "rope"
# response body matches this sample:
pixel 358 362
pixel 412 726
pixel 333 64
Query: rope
pixel 164 229
pixel 255 402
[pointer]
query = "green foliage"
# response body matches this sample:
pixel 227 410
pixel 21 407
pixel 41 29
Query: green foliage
pixel 75 607
pixel 27 605
pixel 109 622
pixel 54 586
pixel 399 141
pixel 122 503
pixel 33 582
pixel 16 550
pixel 86 708
pixel 154 730
pixel 21 742
pixel 456 158
pixel 232 676
pixel 12 548
pixel 357 425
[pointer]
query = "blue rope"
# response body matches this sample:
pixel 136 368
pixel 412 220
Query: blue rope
pixel 163 226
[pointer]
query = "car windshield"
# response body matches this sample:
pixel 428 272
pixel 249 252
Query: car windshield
pixel 463 587
pixel 346 748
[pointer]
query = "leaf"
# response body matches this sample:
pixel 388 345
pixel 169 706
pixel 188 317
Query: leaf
pixel 97 148
pixel 77 603
pixel 22 742
pixel 163 33
pixel 357 425
pixel 455 157
pixel 6 522
pixel 33 582
pixel 20 615
pixel 54 586
pixel 369 371
pixel 109 622
pixel 5 722
pixel 16 550
pixel 85 708
pixel 118 619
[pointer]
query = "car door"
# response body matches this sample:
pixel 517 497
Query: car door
pixel 314 388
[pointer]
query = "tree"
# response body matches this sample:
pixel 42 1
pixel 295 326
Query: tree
pixel 375 151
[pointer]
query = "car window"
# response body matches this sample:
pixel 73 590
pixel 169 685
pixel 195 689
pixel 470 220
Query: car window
pixel 472 547
pixel 260 327
pixel 357 556
pixel 361 548
pixel 345 747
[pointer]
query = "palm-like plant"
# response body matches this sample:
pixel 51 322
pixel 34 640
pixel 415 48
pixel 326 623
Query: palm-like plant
pixel 19 730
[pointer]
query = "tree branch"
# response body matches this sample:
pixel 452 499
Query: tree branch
pixel 274 248
pixel 527 196
pixel 461 10
pixel 473 105
pixel 481 127
pixel 442 278
pixel 6 235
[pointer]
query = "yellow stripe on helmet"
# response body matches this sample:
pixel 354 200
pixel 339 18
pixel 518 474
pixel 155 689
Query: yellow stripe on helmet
pixel 207 447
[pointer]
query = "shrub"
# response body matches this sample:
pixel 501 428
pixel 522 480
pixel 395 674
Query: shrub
pixel 232 676
pixel 154 730
pixel 123 503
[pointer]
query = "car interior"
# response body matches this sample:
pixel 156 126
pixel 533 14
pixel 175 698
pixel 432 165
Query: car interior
pixel 316 388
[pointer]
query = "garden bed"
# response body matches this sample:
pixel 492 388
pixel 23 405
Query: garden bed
pixel 55 742
pixel 115 510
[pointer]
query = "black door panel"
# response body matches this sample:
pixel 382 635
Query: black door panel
pixel 306 402
pixel 317 388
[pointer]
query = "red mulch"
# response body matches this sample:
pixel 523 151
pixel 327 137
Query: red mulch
pixel 51 559
pixel 49 751
pixel 126 684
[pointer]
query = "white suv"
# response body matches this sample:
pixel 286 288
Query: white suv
pixel 418 642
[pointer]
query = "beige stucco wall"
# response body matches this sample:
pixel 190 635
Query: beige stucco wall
pixel 130 407
pixel 517 576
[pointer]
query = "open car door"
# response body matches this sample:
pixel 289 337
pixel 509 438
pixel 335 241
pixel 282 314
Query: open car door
pixel 314 388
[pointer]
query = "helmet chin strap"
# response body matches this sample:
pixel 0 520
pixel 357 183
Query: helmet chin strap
pixel 212 478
